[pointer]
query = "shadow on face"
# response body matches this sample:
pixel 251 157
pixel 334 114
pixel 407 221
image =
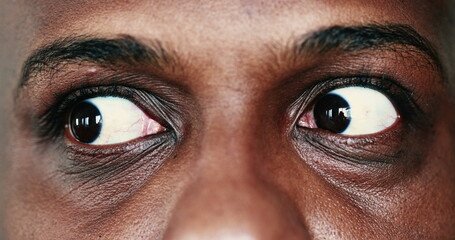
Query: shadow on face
pixel 228 120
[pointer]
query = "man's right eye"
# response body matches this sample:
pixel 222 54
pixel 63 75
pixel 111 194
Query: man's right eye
pixel 109 120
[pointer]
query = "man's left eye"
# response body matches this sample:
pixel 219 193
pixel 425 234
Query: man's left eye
pixel 109 120
pixel 351 111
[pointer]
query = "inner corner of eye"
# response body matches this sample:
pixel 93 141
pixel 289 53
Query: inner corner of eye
pixel 110 120
pixel 307 120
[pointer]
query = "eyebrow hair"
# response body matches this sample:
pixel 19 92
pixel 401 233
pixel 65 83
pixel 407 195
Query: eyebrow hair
pixel 373 36
pixel 105 52
pixel 128 50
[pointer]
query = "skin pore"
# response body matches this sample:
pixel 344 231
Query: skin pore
pixel 230 82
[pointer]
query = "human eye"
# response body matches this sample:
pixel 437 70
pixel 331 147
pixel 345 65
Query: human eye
pixel 357 107
pixel 103 131
pixel 109 120
pixel 363 120
pixel 351 111
pixel 105 115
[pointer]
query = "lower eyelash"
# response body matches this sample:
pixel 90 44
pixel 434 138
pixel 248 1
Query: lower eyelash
pixel 98 164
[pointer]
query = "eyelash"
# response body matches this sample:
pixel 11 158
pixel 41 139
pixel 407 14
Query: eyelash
pixel 358 149
pixel 52 123
pixel 101 164
pixel 399 95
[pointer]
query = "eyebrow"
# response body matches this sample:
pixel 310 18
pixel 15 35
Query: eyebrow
pixel 130 51
pixel 366 37
pixel 124 50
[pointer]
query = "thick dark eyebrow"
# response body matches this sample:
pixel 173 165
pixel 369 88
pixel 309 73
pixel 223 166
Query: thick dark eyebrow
pixel 128 50
pixel 124 50
pixel 391 37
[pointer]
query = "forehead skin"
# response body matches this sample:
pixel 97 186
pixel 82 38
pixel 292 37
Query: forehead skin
pixel 240 24
pixel 219 187
pixel 236 18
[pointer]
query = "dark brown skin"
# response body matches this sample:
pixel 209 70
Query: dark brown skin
pixel 233 163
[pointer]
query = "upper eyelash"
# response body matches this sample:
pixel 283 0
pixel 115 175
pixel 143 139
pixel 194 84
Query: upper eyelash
pixel 382 84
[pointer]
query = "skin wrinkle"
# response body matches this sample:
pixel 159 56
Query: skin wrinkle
pixel 235 171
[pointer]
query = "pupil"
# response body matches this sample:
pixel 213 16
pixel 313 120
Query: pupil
pixel 86 122
pixel 332 113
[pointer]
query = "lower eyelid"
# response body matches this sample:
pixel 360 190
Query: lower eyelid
pixel 103 177
pixel 366 150
pixel 97 162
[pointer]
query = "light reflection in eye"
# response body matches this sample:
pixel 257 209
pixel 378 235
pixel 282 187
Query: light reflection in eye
pixel 352 111
pixel 110 120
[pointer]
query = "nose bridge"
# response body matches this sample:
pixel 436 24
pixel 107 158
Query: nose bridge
pixel 229 134
pixel 227 198
pixel 229 137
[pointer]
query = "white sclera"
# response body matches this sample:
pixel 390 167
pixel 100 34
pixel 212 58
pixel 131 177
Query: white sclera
pixel 122 121
pixel 371 111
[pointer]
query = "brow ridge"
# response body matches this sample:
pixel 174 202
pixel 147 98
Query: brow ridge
pixel 363 37
pixel 126 49
pixel 122 50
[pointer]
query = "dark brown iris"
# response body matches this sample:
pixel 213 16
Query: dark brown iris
pixel 332 113
pixel 85 122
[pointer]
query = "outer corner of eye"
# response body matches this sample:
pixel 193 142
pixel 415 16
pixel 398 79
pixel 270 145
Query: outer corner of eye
pixel 110 120
pixel 351 111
